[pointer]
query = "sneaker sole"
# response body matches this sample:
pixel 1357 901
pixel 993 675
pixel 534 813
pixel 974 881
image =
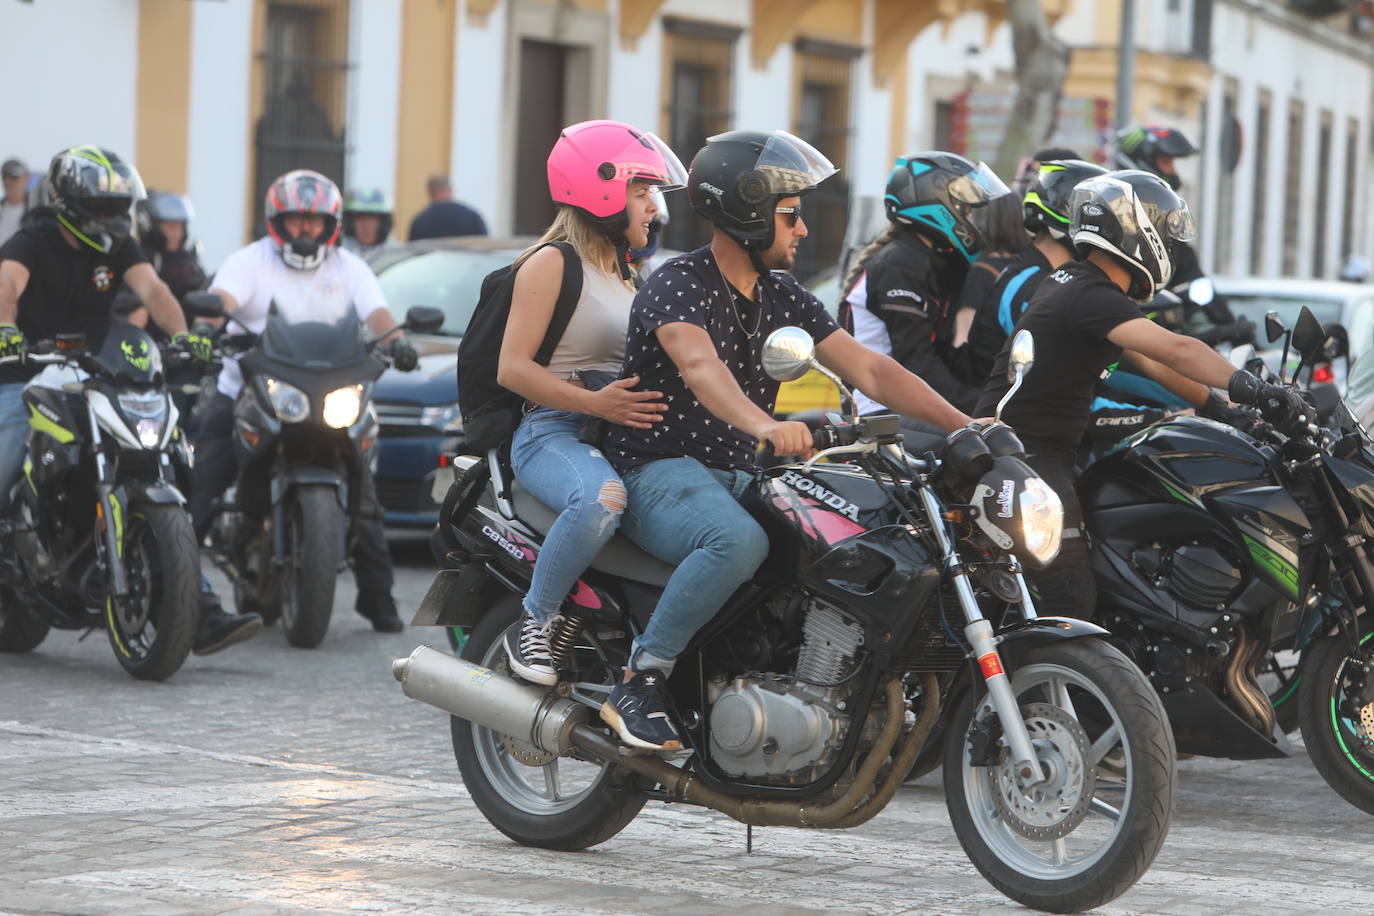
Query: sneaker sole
pixel 247 631
pixel 525 673
pixel 611 717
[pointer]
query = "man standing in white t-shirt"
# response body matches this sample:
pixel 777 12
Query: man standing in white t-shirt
pixel 299 268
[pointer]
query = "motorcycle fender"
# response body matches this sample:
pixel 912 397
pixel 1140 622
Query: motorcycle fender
pixel 1014 640
pixel 457 597
pixel 283 484
pixel 157 492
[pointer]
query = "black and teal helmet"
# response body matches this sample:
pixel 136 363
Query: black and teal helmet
pixel 935 192
pixel 92 193
pixel 1046 203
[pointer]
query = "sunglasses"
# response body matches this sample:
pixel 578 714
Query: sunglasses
pixel 793 214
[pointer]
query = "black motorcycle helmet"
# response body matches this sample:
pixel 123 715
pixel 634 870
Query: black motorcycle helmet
pixel 91 191
pixel 1135 217
pixel 163 207
pixel 1140 148
pixel 738 177
pixel 1046 204
pixel 935 193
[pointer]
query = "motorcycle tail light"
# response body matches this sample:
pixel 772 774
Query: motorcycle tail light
pixel 1322 375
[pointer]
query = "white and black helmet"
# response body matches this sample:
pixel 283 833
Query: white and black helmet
pixel 1136 217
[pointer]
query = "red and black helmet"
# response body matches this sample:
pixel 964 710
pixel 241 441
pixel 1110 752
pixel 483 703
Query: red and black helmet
pixel 304 192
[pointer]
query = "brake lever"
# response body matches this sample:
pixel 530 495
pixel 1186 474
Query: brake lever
pixel 858 448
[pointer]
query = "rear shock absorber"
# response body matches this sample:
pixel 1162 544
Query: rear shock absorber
pixel 564 638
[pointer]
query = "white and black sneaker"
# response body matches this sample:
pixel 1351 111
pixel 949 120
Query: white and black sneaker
pixel 530 655
pixel 637 712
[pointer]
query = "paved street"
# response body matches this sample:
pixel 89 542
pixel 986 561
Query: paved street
pixel 270 780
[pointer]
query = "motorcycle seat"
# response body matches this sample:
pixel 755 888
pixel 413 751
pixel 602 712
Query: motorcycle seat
pixel 620 557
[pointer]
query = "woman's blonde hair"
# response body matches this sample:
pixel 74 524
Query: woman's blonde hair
pixel 571 225
pixel 861 261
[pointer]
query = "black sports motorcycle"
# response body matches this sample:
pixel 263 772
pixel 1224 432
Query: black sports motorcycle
pixel 96 533
pixel 1214 548
pixel 884 572
pixel 304 431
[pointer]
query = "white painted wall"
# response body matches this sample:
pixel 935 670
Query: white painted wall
pixel 71 77
pixel 480 70
pixel 219 160
pixel 374 85
pixel 634 83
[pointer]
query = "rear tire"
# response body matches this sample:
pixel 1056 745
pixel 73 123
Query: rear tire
pixel 152 634
pixel 600 810
pixel 314 552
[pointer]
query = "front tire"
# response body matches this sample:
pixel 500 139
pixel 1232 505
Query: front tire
pixel 1337 716
pixel 1104 740
pixel 314 552
pixel 600 801
pixel 151 628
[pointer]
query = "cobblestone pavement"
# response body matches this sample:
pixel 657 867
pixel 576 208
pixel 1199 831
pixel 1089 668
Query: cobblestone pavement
pixel 269 780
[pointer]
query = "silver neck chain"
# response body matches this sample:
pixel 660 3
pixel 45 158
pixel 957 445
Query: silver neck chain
pixel 730 294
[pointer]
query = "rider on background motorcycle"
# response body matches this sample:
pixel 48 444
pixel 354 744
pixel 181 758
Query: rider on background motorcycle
pixel 697 329
pixel 298 269
pixel 367 219
pixel 1085 318
pixel 59 275
pixel 900 292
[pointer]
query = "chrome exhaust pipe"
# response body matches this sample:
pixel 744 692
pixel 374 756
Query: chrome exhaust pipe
pixel 533 716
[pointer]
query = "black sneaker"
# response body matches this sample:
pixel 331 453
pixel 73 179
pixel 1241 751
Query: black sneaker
pixel 527 647
pixel 218 629
pixel 379 608
pixel 635 709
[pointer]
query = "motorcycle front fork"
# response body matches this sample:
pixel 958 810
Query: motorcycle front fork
pixel 981 638
pixel 111 513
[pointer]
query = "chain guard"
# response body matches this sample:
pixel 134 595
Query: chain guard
pixel 1053 809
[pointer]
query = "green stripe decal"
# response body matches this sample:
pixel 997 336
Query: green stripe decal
pixel 42 424
pixel 77 232
pixel 1340 738
pixel 1283 571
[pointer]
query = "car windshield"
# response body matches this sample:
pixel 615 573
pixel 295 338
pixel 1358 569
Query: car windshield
pixel 446 279
pixel 1254 308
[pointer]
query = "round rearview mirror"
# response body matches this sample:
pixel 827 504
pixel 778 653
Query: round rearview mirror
pixel 788 354
pixel 1201 291
pixel 1022 354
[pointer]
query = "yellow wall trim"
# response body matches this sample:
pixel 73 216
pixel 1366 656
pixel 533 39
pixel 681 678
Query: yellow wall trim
pixel 424 121
pixel 163 90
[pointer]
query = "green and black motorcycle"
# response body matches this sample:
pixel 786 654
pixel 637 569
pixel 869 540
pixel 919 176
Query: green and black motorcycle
pixel 96 532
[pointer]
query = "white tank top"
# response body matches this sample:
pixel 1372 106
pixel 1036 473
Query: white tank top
pixel 595 336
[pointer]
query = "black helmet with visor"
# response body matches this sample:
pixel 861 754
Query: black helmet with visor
pixel 92 193
pixel 1046 204
pixel 1135 217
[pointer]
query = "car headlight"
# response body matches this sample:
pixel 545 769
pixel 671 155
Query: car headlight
pixel 342 406
pixel 289 402
pixel 446 418
pixel 147 413
pixel 1042 520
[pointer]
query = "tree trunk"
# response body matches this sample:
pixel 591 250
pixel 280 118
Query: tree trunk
pixel 1042 61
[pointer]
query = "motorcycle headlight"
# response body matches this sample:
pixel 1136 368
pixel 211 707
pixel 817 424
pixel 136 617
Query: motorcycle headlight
pixel 446 418
pixel 342 406
pixel 1042 520
pixel 147 413
pixel 289 403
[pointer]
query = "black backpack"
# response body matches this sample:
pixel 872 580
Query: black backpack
pixel 490 412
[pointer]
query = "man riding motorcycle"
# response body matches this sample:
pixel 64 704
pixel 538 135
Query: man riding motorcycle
pixel 1085 318
pixel 367 219
pixel 59 275
pixel 299 270
pixel 697 329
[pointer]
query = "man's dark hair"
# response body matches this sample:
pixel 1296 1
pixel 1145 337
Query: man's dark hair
pixel 437 183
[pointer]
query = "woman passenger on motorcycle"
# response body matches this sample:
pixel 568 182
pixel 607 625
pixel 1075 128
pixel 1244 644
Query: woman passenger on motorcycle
pixel 1085 317
pixel 601 177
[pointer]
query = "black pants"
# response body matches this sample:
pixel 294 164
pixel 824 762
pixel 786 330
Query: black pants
pixel 216 467
pixel 1066 588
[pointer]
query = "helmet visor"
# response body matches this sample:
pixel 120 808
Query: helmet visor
pixel 170 208
pixel 790 165
pixel 978 186
pixel 1169 215
pixel 107 207
pixel 633 166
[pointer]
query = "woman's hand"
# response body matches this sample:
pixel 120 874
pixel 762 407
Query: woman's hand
pixel 618 404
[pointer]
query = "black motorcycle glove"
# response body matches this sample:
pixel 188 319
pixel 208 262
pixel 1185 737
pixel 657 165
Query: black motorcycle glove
pixel 12 342
pixel 1284 407
pixel 1218 408
pixel 403 355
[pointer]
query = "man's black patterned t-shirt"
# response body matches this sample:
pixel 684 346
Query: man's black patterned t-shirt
pixel 691 288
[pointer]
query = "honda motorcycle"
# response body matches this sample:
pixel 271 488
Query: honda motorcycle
pixel 1215 548
pixel 304 432
pixel 804 702
pixel 96 532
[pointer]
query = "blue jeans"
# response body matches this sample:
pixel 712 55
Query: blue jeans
pixel 14 435
pixel 576 481
pixel 687 514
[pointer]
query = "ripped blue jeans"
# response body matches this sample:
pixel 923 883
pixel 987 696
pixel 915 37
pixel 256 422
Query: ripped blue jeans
pixel 576 481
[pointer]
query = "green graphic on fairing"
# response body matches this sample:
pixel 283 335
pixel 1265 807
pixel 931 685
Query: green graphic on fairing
pixel 1283 572
pixel 138 358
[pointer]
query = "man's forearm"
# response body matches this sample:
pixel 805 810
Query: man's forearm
pixel 1200 363
pixel 911 396
pixel 719 393
pixel 162 305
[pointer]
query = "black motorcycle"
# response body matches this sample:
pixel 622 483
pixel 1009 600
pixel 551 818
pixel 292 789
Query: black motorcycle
pixel 1214 548
pixel 304 433
pixel 96 532
pixel 892 593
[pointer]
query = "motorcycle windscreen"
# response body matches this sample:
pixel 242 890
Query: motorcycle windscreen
pixel 314 344
pixel 129 356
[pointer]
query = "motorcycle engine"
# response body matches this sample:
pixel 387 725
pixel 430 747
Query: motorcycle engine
pixel 1197 574
pixel 788 728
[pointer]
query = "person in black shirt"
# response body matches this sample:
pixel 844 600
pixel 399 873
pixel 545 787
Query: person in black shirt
pixel 900 292
pixel 445 217
pixel 1084 318
pixel 697 329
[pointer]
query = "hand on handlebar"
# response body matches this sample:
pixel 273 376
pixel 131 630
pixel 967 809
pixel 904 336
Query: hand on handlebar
pixel 787 437
pixel 403 355
pixel 196 343
pixel 13 346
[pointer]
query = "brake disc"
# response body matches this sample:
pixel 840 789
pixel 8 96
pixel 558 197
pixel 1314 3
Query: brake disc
pixel 1052 809
pixel 521 751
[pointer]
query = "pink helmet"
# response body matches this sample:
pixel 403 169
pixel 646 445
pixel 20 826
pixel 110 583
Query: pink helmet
pixel 593 162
